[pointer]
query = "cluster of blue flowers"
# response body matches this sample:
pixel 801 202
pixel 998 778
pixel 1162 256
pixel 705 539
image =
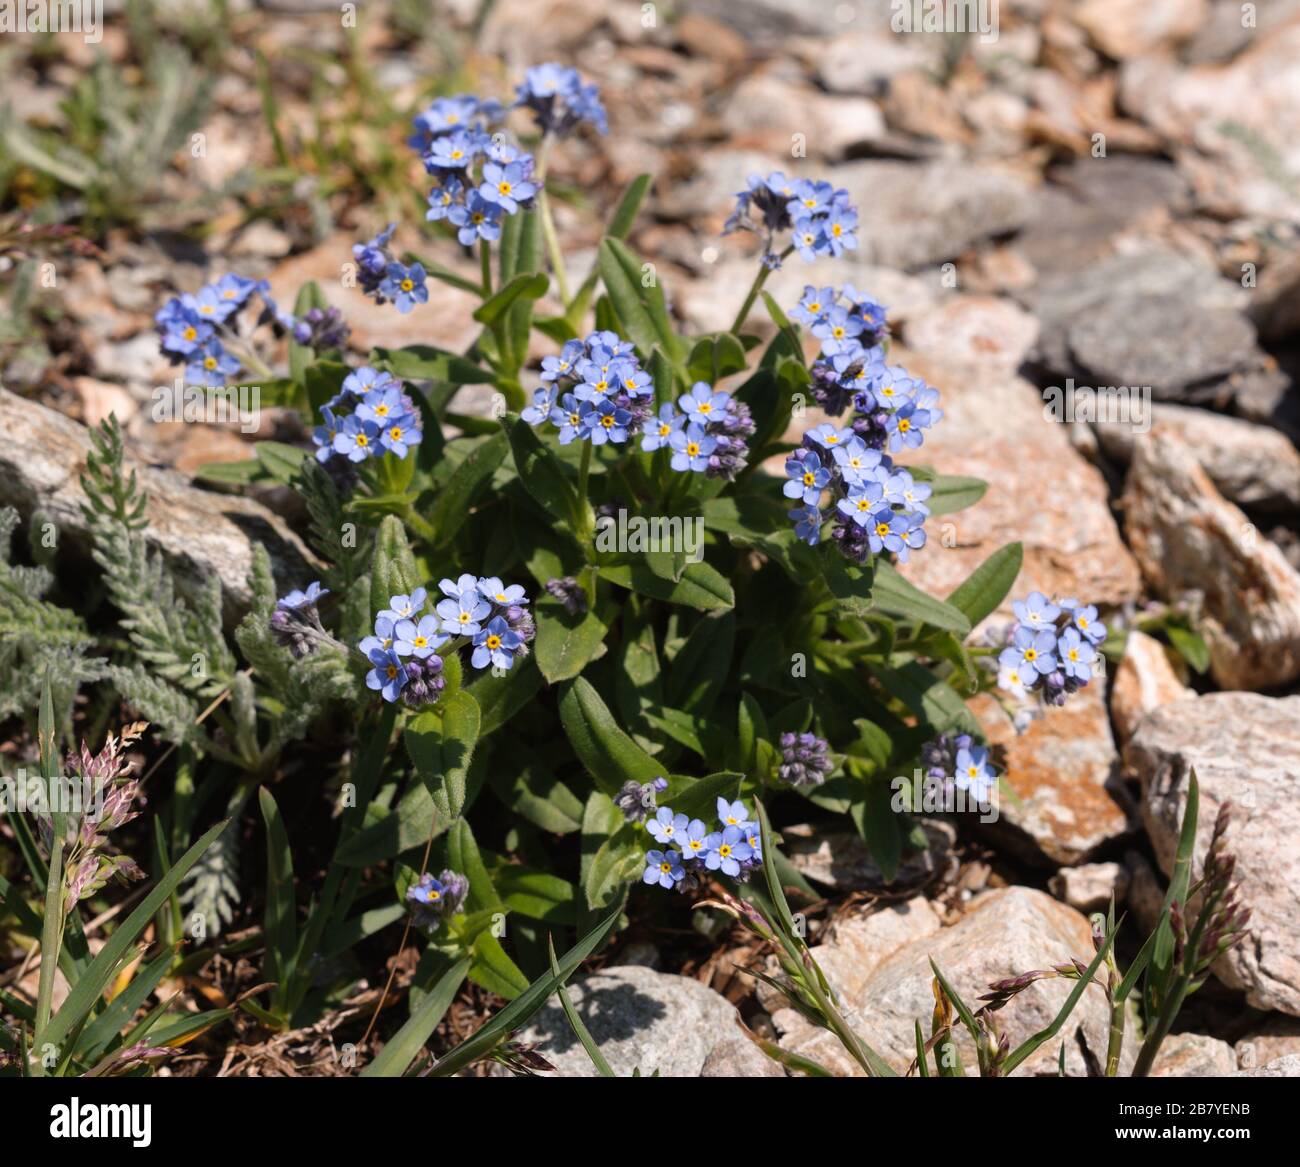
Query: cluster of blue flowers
pixel 689 848
pixel 371 415
pixel 560 101
pixel 432 899
pixel 1051 648
pixel 295 622
pixel 597 391
pixel 382 277
pixel 955 758
pixel 820 218
pixel 197 327
pixel 479 611
pixel 479 175
pixel 878 506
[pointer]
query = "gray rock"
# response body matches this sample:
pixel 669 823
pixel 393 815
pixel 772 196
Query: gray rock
pixel 1091 886
pixel 1287 1066
pixel 1144 680
pixel 1188 538
pixel 200 533
pixel 880 967
pixel 1066 299
pixel 1255 466
pixel 647 1020
pixel 1278 1036
pixel 1245 748
pixel 964 203
pixel 841 860
pixel 1275 306
pixel 1194 1055
pixel 1163 343
pixel 1088 204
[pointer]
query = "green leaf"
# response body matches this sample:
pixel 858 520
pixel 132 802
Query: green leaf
pixel 987 586
pixel 610 756
pixel 494 970
pixel 500 698
pixel 575 1022
pixel 715 357
pixel 1190 645
pixel 638 299
pixel 517 1014
pixel 441 743
pixel 566 642
pixel 281 922
pixel 540 797
pixel 951 493
pixel 280 460
pixel 463 855
pixel 529 286
pixel 1162 954
pixel 701 587
pixel 402 1047
pixel 392 569
pixel 452 506
pixel 893 594
pixel 423 362
pixel 541 472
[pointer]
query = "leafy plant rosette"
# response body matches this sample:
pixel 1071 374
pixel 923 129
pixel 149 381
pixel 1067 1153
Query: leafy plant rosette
pixel 689 593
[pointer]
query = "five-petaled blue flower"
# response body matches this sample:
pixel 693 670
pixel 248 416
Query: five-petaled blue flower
pixel 405 286
pixel 726 850
pixel 664 868
pixel 496 644
pixel 691 448
pixel 667 827
pixel 389 673
pixel 807 477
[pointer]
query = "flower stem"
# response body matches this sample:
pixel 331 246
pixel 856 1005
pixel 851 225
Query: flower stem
pixel 552 239
pixel 485 259
pixel 757 286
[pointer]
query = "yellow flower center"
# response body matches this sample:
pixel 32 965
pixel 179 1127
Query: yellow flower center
pixel 725 850
pixel 392 672
pixel 693 448
pixel 395 433
pixel 707 407
pixel 504 187
pixel 904 425
pixel 882 529
pixel 809 478
pixel 407 284
pixel 607 421
pixel 362 440
pixel 420 642
pixel 190 333
pixel 1031 654
pixel 494 642
pixel 666 867
pixel 209 362
pixel 664 429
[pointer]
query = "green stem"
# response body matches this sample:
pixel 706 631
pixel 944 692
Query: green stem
pixel 485 263
pixel 549 234
pixel 757 286
pixel 51 939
